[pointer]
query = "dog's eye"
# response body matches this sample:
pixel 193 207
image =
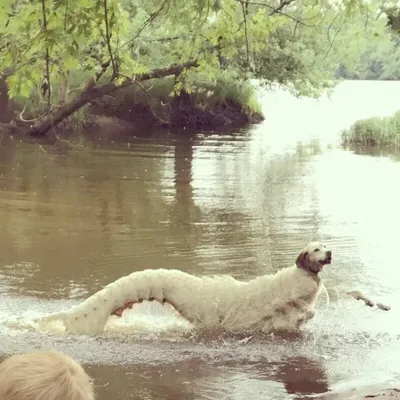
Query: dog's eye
pixel 316 250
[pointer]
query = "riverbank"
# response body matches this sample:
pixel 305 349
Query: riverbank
pixel 376 131
pixel 205 104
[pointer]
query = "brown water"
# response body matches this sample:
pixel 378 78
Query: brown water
pixel 75 219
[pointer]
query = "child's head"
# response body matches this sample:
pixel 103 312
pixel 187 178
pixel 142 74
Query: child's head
pixel 44 376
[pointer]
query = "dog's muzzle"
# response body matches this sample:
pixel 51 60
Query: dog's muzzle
pixel 327 259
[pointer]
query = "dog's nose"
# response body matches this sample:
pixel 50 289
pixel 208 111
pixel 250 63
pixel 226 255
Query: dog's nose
pixel 329 254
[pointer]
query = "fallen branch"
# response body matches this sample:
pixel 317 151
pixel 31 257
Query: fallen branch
pixel 92 91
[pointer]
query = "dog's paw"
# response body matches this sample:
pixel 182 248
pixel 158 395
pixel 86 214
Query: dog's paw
pixel 360 296
pixel 383 306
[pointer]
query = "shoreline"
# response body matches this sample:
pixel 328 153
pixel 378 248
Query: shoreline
pixel 363 393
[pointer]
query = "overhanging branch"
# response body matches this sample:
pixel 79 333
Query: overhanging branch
pixel 282 4
pixel 154 73
pixel 276 10
pixel 92 92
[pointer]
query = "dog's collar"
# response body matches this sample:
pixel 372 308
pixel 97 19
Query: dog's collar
pixel 314 275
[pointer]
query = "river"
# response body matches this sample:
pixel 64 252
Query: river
pixel 76 218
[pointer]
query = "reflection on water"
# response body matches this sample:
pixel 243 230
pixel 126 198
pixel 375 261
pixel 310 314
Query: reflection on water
pixel 185 380
pixel 75 219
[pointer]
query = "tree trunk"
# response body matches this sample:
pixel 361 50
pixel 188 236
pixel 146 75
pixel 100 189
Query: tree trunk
pixel 5 109
pixel 91 92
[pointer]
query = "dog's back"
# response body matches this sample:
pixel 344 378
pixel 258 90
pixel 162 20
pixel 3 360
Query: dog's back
pixel 283 301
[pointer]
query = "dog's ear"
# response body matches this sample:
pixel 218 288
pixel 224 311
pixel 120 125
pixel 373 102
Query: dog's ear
pixel 302 259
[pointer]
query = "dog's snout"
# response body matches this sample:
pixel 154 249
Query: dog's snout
pixel 329 254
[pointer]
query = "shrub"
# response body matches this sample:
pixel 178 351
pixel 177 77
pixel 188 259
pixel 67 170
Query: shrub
pixel 376 131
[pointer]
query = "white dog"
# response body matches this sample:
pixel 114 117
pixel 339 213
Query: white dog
pixel 281 302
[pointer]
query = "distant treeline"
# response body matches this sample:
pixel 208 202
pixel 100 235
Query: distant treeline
pixel 381 60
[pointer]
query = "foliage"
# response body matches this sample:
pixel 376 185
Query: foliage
pixel 381 57
pixel 381 60
pixel 225 87
pixel 224 101
pixel 374 131
pixel 294 42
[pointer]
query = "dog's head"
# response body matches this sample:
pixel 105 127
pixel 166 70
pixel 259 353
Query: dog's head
pixel 314 257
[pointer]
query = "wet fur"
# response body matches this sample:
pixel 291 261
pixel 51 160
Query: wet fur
pixel 280 302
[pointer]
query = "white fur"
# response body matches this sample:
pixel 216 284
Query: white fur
pixel 283 301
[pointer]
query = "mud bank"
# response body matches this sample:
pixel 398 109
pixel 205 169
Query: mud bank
pixel 182 112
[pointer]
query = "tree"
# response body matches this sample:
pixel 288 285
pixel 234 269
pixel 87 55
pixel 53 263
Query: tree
pixel 381 56
pixel 121 43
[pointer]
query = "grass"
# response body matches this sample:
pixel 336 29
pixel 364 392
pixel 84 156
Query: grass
pixel 152 99
pixel 206 92
pixel 377 131
pixel 227 86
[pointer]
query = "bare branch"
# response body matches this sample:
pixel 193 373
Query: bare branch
pixel 276 11
pixel 65 15
pixel 29 120
pixel 206 17
pixel 245 33
pixel 108 41
pixel 46 85
pixel 330 26
pixel 366 20
pixel 295 30
pixel 163 39
pixel 334 38
pixel 149 103
pixel 282 4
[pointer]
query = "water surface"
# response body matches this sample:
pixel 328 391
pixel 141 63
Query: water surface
pixel 76 218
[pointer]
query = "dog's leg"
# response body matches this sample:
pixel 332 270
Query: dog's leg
pixel 383 306
pixel 360 296
pixel 292 315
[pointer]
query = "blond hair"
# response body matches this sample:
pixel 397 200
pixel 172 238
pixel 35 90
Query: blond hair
pixel 44 376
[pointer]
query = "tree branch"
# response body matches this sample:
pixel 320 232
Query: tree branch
pixel 93 91
pixel 104 67
pixel 282 4
pixel 154 73
pixel 148 21
pixel 163 39
pixel 65 15
pixel 245 33
pixel 334 37
pixel 46 85
pixel 108 41
pixel 276 10
pixel 163 121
